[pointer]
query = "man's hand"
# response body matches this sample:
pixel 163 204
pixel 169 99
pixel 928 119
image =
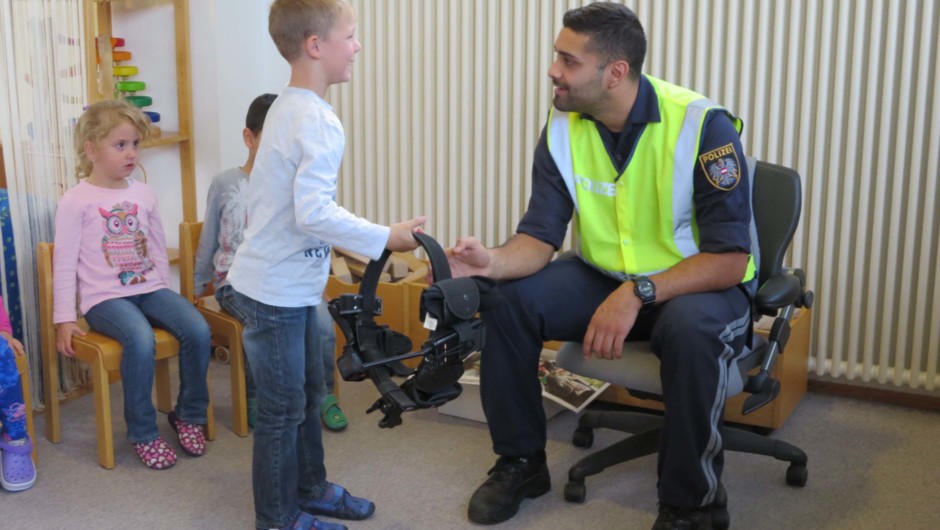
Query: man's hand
pixel 17 346
pixel 611 323
pixel 400 238
pixel 520 256
pixel 468 258
pixel 63 337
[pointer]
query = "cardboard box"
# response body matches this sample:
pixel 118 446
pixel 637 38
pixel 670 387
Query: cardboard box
pixel 790 370
pixel 398 310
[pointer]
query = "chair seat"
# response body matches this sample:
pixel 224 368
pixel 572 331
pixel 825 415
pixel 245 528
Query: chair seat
pixel 209 302
pixel 638 369
pixel 88 348
pixel 220 321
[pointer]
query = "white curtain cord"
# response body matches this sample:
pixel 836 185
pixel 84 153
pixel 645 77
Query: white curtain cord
pixel 42 57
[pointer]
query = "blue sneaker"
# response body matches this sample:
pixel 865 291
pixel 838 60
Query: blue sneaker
pixel 305 521
pixel 338 503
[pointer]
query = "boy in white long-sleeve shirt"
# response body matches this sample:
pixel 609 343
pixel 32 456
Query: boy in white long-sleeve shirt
pixel 280 269
pixel 223 231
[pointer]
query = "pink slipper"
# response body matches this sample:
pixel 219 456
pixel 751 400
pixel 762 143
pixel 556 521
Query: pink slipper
pixel 156 454
pixel 191 436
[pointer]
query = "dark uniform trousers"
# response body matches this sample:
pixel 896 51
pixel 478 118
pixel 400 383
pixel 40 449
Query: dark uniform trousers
pixel 697 338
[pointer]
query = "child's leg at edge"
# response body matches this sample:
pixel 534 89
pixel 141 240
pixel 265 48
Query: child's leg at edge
pixel 328 344
pixel 226 298
pixel 12 404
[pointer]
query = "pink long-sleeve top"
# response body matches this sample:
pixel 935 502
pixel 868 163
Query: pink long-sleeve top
pixel 109 243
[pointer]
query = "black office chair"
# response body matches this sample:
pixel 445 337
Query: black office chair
pixel 776 204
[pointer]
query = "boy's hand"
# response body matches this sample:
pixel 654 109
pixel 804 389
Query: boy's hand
pixel 63 337
pixel 400 238
pixel 17 346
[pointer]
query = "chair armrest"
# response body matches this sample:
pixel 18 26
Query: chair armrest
pixel 778 292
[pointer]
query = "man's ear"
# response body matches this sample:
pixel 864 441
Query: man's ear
pixel 617 73
pixel 248 137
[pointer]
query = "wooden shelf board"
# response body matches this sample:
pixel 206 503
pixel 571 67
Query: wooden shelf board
pixel 165 138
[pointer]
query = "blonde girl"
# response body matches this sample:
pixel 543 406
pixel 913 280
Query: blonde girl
pixel 110 252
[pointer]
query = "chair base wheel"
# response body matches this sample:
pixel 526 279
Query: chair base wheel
pixel 721 519
pixel 797 475
pixel 575 491
pixel 583 437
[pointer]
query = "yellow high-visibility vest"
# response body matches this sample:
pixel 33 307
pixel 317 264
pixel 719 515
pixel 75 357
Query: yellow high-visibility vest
pixel 644 221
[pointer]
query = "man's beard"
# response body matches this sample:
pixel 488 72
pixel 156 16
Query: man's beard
pixel 584 100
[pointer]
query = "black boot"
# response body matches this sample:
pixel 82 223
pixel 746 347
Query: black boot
pixel 512 479
pixel 682 519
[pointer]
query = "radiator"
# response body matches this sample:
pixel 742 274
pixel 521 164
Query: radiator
pixel 448 98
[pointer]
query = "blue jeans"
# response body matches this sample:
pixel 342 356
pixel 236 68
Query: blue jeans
pixel 328 345
pixel 696 336
pixel 130 321
pixel 284 350
pixel 226 298
pixel 12 407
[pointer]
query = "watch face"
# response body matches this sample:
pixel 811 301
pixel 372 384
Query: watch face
pixel 645 290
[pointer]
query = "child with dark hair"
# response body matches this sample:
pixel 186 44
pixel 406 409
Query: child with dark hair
pixel 223 230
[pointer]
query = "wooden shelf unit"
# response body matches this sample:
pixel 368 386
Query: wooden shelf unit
pixel 98 23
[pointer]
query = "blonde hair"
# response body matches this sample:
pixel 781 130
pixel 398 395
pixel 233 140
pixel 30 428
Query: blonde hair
pixel 291 22
pixel 98 121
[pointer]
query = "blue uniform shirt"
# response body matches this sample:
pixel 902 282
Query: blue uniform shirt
pixel 723 217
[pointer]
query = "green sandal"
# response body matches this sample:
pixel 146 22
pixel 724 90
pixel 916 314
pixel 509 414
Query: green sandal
pixel 332 415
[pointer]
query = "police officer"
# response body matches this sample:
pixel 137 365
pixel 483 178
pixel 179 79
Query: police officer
pixel 655 179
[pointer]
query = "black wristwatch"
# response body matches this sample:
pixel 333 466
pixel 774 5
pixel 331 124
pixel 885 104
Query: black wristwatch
pixel 645 290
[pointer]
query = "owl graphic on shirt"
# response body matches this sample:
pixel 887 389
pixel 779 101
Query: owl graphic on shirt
pixel 124 244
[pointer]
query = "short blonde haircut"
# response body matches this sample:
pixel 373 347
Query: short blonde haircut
pixel 291 22
pixel 98 121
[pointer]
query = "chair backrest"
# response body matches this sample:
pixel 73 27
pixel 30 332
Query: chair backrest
pixel 189 242
pixel 776 203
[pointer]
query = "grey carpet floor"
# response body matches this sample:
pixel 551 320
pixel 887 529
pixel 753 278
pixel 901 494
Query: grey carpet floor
pixel 871 466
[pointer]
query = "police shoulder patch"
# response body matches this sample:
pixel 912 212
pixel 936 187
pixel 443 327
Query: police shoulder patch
pixel 722 167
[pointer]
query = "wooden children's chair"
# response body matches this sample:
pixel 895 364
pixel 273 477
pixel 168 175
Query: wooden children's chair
pixel 22 366
pixel 226 329
pixel 103 355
